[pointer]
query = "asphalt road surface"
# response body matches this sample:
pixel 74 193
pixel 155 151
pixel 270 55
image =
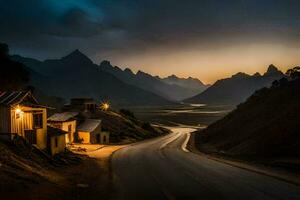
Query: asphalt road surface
pixel 163 169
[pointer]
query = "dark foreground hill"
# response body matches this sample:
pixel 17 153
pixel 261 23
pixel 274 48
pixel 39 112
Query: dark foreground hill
pixel 236 89
pixel 267 124
pixel 75 75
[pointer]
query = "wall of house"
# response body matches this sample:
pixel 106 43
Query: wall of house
pixel 61 144
pixel 65 127
pixel 70 136
pixel 84 137
pixel 94 135
pixel 104 137
pixel 42 133
pixel 24 121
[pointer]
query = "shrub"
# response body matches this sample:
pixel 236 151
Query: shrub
pixel 147 126
pixel 127 113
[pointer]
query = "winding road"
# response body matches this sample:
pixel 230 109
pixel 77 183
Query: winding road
pixel 162 168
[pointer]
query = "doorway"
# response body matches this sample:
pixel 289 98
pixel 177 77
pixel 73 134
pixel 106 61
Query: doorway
pixel 98 138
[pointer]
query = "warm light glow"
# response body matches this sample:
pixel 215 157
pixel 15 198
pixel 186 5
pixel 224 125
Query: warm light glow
pixel 105 106
pixel 211 64
pixel 18 112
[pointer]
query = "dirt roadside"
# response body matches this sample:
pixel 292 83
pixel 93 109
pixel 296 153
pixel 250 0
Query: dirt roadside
pixel 91 179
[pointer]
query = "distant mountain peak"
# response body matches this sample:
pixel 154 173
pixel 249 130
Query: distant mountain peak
pixel 272 69
pixel 77 56
pixel 173 76
pixel 142 73
pixel 240 75
pixel 105 62
pixel 257 74
pixel 128 71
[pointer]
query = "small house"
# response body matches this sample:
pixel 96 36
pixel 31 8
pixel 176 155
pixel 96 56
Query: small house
pixel 56 140
pixel 90 132
pixel 65 121
pixel 21 114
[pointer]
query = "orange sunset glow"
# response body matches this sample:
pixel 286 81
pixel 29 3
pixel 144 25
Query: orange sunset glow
pixel 212 64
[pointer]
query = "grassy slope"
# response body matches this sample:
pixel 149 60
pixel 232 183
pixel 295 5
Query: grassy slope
pixel 23 167
pixel 267 124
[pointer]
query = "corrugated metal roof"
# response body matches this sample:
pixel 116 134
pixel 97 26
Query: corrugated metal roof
pixel 89 125
pixel 15 97
pixel 62 117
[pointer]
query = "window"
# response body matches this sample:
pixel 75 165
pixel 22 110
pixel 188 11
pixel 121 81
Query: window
pixel 38 120
pixel 56 142
pixel 70 128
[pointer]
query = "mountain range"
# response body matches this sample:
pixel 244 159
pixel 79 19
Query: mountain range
pixel 236 89
pixel 171 88
pixel 75 75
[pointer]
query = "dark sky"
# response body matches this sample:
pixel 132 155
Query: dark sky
pixel 162 37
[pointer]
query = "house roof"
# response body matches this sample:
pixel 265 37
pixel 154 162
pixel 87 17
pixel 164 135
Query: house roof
pixel 89 125
pixel 51 131
pixel 17 97
pixel 62 117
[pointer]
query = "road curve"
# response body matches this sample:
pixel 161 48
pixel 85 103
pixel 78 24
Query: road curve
pixel 162 168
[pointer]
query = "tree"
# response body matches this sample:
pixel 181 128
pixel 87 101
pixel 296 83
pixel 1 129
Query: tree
pixel 294 72
pixel 127 113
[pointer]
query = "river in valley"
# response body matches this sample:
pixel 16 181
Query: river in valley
pixel 197 115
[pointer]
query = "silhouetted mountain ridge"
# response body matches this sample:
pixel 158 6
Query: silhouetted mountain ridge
pixel 176 90
pixel 237 88
pixel 77 56
pixel 192 83
pixel 75 75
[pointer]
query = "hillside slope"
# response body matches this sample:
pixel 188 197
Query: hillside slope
pixel 267 124
pixel 75 75
pixel 125 128
pixel 236 89
pixel 23 169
